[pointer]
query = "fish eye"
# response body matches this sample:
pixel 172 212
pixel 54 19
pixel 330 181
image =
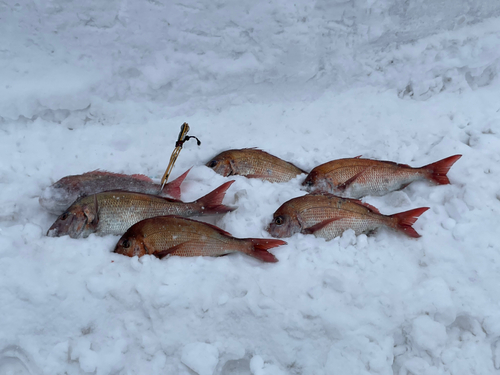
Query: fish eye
pixel 279 220
pixel 212 164
pixel 64 216
pixel 126 244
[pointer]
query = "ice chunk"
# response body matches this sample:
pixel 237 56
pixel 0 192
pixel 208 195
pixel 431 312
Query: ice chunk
pixel 428 334
pixel 434 298
pixel 200 357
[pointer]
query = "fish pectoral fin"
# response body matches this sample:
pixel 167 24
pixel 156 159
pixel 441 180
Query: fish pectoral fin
pixel 174 250
pixel 164 253
pixel 369 206
pixel 347 183
pixel 319 226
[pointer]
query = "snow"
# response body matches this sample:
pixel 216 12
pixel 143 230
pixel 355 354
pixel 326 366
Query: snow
pixel 200 357
pixel 106 85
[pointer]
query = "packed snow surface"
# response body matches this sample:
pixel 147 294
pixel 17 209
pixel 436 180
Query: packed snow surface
pixel 107 84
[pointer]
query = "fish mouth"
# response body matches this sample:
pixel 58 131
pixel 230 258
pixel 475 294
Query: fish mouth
pixel 271 230
pixel 71 227
pixel 52 232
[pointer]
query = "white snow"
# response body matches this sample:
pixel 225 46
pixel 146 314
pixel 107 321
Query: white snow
pixel 200 357
pixel 106 85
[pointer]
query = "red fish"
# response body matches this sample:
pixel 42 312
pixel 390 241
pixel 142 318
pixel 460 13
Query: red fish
pixel 172 235
pixel 328 216
pixel 253 163
pixel 58 197
pixel 356 177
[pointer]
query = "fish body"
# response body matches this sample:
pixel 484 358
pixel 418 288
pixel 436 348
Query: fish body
pixel 172 235
pixel 356 177
pixel 59 196
pixel 113 212
pixel 253 163
pixel 328 216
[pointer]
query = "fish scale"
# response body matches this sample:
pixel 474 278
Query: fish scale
pixel 350 215
pixel 371 180
pixel 273 171
pixel 119 211
pixel 194 244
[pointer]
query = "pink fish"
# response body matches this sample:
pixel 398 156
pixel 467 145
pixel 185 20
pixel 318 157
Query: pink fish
pixel 59 196
pixel 356 177
pixel 328 216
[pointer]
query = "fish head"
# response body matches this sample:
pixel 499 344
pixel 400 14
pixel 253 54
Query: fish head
pixel 317 182
pixel 56 199
pixel 77 221
pixel 131 245
pixel 222 164
pixel 310 181
pixel 284 224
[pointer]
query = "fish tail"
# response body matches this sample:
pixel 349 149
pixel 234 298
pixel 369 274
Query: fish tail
pixel 174 188
pixel 405 220
pixel 259 247
pixel 438 170
pixel 212 202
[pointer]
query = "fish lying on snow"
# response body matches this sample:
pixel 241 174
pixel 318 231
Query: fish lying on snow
pixel 356 177
pixel 173 235
pixel 113 212
pixel 328 216
pixel 59 196
pixel 253 163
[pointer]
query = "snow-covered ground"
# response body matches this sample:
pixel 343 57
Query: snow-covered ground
pixel 107 84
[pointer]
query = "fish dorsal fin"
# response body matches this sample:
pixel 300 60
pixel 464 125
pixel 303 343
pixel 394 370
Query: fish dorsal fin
pixel 142 194
pixel 396 164
pixel 141 177
pixel 319 226
pixel 393 163
pixel 98 172
pixel 221 231
pixel 369 206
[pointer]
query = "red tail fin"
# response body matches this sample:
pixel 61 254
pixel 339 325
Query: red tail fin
pixel 406 219
pixel 260 247
pixel 173 188
pixel 438 170
pixel 212 202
